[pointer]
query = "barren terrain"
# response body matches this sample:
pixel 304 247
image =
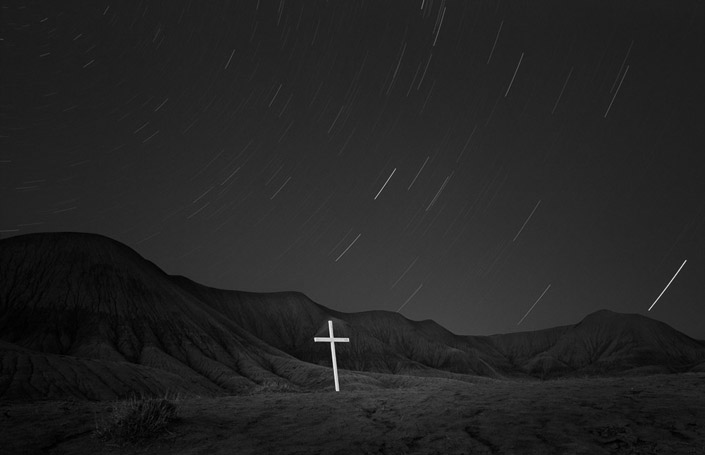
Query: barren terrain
pixel 84 321
pixel 661 414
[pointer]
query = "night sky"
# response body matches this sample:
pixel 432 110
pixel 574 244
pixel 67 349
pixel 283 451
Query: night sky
pixel 458 159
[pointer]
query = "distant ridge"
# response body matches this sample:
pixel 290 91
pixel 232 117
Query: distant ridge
pixel 606 342
pixel 82 315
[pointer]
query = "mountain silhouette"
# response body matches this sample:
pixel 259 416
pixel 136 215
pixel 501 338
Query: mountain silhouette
pixel 82 315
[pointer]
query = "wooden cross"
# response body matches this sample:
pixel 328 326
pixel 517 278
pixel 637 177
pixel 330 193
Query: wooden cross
pixel 332 340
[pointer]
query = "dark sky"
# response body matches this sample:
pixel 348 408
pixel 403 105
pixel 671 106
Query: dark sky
pixel 455 158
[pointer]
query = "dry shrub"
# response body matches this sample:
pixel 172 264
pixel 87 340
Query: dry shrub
pixel 136 418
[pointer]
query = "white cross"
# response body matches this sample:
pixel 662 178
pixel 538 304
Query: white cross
pixel 332 340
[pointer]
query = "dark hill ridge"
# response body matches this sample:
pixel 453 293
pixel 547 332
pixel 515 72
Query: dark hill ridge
pixel 88 297
pixel 83 315
pixel 381 341
pixel 606 341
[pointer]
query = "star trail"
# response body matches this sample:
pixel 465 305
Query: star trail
pixel 444 159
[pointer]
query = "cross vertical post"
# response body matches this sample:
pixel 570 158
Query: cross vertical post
pixel 332 354
pixel 331 339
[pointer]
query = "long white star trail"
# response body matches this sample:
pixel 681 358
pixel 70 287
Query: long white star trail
pixel 457 160
pixel 405 271
pixel 440 190
pixel 349 246
pixel 495 42
pixel 410 297
pixel 385 184
pixel 515 75
pixel 275 95
pixel 527 220
pixel 438 31
pixel 161 105
pixel 230 176
pixel 394 77
pixel 428 62
pixel 332 125
pixel 280 188
pixel 197 211
pixel 231 57
pixel 202 195
pixel 669 283
pixel 418 173
pixel 532 306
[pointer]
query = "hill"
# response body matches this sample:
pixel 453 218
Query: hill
pixel 69 298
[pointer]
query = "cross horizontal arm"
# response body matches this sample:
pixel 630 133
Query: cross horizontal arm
pixel 331 340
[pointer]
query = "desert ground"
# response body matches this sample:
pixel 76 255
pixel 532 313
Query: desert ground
pixel 660 414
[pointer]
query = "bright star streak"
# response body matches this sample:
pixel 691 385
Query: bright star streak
pixel 410 297
pixel 527 220
pixel 231 57
pixel 280 188
pixel 669 283
pixel 515 75
pixel 532 306
pixel 495 41
pixel 385 183
pixel 417 174
pixel 405 271
pixel 445 182
pixel 346 249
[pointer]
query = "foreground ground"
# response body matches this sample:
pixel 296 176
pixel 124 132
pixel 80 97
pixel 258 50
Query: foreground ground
pixel 662 414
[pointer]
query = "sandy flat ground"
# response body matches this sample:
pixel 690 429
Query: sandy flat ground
pixel 662 414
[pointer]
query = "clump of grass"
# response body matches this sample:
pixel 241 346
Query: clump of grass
pixel 136 418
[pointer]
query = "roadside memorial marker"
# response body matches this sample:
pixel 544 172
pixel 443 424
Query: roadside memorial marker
pixel 332 340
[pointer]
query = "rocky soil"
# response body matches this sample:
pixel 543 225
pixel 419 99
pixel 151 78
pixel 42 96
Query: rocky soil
pixel 660 414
